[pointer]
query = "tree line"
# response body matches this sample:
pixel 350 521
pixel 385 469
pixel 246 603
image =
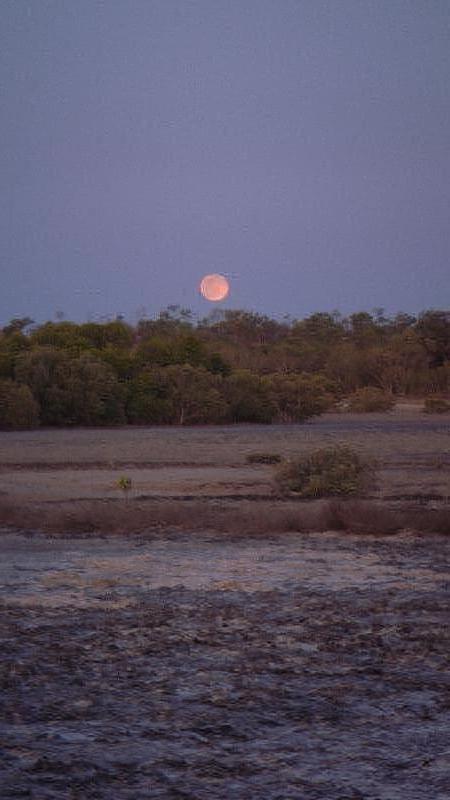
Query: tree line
pixel 231 367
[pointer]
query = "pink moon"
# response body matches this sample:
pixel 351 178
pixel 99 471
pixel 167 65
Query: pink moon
pixel 214 288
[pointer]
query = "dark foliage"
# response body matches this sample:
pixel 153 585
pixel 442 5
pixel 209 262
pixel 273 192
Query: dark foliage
pixel 233 366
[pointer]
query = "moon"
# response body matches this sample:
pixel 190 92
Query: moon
pixel 214 287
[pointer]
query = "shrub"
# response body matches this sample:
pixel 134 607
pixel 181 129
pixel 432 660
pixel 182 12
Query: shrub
pixel 370 399
pixel 328 472
pixel 124 483
pixel 263 458
pixel 436 405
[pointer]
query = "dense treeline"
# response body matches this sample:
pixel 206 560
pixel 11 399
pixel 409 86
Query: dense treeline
pixel 234 366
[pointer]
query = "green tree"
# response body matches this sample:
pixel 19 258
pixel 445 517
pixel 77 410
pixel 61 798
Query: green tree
pixel 149 398
pixel 311 340
pixel 363 329
pixel 96 395
pixel 299 397
pixel 433 329
pixel 116 333
pixel 12 345
pixel 64 336
pixel 248 397
pixel 194 396
pixel 179 394
pixel 71 391
pixel 18 408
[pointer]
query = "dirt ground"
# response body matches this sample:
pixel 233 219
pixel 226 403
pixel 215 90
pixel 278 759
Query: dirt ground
pixel 312 667
pixel 412 451
pixel 223 665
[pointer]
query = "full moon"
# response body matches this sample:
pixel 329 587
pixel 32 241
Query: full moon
pixel 214 287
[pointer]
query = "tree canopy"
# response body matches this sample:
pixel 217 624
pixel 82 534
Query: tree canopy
pixel 233 366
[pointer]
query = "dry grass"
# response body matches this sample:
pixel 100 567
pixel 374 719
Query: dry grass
pixel 360 516
pixel 239 518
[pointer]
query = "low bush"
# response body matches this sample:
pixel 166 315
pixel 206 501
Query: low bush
pixel 436 405
pixel 263 458
pixel 370 399
pixel 328 472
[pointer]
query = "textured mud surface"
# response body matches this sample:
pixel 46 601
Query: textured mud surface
pixel 311 667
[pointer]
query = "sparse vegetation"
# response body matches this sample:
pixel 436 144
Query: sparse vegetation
pixel 124 484
pixel 436 405
pixel 369 398
pixel 327 472
pixel 256 518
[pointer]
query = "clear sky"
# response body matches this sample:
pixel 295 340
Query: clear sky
pixel 300 146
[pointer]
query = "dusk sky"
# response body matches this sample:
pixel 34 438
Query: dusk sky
pixel 300 147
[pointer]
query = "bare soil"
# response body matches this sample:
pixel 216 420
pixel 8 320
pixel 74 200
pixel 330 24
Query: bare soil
pixel 166 664
pixel 312 667
pixel 412 451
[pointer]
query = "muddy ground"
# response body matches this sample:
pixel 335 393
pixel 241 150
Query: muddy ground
pixel 296 666
pixel 222 665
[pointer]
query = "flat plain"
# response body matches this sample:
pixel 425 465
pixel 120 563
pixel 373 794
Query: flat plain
pixel 412 451
pixel 183 658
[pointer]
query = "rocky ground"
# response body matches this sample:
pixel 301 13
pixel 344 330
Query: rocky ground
pixel 306 667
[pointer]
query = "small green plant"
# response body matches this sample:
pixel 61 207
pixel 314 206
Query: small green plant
pixel 263 458
pixel 124 484
pixel 370 399
pixel 328 472
pixel 436 405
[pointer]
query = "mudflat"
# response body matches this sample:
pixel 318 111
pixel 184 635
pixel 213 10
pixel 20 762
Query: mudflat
pixel 222 664
pixel 303 666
